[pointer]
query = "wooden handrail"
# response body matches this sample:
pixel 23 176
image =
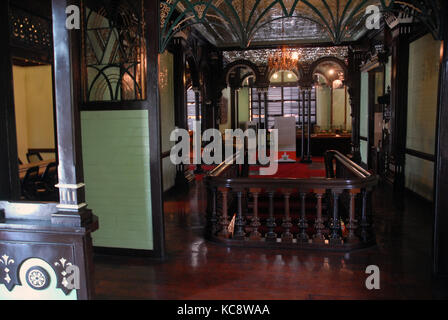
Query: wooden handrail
pixel 344 194
pixel 349 164
pixel 363 180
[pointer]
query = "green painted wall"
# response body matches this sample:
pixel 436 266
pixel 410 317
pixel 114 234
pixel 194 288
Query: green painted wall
pixel 388 76
pixel 424 62
pixel 226 125
pixel 167 116
pixel 364 147
pixel 117 177
pixel 323 103
pixel 243 106
pixel 364 115
pixel 341 108
pixel 323 108
pixel 424 57
pixel 419 175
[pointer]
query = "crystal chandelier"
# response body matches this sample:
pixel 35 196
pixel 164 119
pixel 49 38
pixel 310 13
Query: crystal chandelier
pixel 283 60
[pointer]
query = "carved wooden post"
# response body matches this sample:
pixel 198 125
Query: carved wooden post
pixel 306 93
pixel 270 223
pixel 399 102
pixel 319 224
pixel 198 118
pixel 72 205
pixel 355 57
pixel 335 237
pixel 180 101
pixel 303 225
pixel 302 156
pixel 9 167
pixel 287 235
pixel 308 155
pixel 233 106
pixel 240 222
pixel 352 225
pixel 259 108
pixel 441 181
pixel 224 233
pixel 255 223
pixel 214 215
pixel 364 222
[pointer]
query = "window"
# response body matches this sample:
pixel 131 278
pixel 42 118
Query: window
pixel 282 102
pixel 114 51
pixel 191 108
pixel 257 106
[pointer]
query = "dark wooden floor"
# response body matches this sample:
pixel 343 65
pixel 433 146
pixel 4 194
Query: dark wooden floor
pixel 197 269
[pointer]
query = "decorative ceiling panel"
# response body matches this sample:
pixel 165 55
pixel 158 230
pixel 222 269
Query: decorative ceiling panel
pixel 246 23
pixel 306 55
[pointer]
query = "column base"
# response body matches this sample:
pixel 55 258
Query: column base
pixel 72 218
pixel 306 160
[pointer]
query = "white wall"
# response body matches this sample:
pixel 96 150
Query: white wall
pixel 33 99
pixel 424 63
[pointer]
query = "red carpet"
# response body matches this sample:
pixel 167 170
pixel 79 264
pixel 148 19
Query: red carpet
pixel 294 170
pixel 285 170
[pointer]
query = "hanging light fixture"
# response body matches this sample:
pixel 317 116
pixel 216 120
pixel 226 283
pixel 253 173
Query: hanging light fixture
pixel 283 59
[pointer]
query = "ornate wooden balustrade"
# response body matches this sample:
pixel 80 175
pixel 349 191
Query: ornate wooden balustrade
pixel 332 213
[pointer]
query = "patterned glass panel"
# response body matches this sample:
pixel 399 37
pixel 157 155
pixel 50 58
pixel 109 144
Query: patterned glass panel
pixel 114 50
pixel 29 30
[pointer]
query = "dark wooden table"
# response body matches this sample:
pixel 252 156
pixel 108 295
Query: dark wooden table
pixel 320 143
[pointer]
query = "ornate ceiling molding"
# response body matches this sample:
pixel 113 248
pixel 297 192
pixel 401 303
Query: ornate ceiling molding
pixel 245 22
pixel 306 55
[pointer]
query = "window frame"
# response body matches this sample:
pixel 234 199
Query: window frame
pixel 254 104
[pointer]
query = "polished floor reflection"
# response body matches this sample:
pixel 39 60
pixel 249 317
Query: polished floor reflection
pixel 198 269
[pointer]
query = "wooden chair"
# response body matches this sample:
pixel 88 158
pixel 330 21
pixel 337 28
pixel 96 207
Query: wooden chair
pixel 34 157
pixel 46 190
pixel 29 183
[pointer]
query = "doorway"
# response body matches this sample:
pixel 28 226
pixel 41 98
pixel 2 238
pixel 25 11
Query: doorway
pixel 35 129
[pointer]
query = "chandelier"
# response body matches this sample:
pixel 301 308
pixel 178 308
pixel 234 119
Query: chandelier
pixel 283 59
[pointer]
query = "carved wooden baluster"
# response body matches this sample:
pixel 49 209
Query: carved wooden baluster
pixel 352 238
pixel 319 223
pixel 364 223
pixel 335 237
pixel 214 215
pixel 255 223
pixel 224 217
pixel 240 221
pixel 287 235
pixel 270 222
pixel 303 225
